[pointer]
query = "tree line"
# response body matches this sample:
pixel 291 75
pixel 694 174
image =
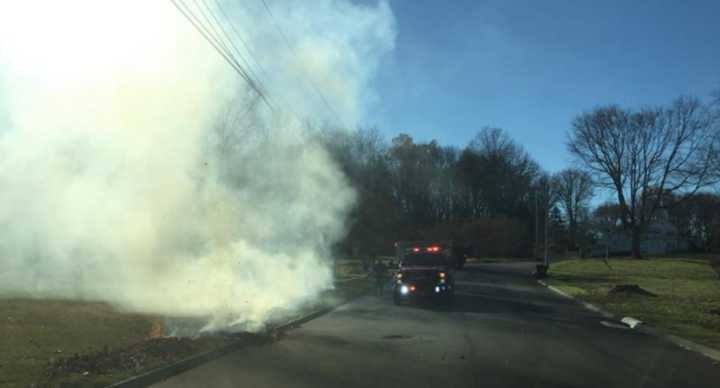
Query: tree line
pixel 484 195
pixel 491 196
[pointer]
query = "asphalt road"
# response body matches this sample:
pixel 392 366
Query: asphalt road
pixel 504 331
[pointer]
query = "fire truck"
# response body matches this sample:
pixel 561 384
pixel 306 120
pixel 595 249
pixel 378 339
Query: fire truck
pixel 426 270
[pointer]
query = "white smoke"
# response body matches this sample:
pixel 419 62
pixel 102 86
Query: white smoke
pixel 136 167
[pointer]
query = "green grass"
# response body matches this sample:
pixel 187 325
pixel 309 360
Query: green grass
pixel 348 268
pixel 351 267
pixel 687 289
pixel 34 332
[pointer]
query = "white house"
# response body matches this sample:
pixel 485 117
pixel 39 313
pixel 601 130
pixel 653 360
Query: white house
pixel 659 237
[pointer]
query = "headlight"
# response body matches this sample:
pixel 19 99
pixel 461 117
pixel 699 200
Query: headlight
pixel 404 290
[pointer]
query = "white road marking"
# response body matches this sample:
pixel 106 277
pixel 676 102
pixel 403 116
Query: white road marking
pixel 613 325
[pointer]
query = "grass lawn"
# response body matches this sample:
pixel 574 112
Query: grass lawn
pixel 348 268
pixel 67 338
pixel 352 267
pixel 34 332
pixel 687 289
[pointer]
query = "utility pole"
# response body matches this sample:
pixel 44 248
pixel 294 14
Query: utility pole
pixel 541 269
pixel 536 250
pixel 545 245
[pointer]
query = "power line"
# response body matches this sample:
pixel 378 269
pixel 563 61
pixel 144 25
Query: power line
pixel 248 50
pixel 211 28
pixel 239 36
pixel 297 57
pixel 250 77
pixel 227 36
pixel 214 40
pixel 220 47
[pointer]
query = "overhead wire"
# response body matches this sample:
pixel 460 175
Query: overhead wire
pixel 212 28
pixel 310 80
pixel 218 25
pixel 221 48
pixel 220 32
pixel 240 38
pixel 211 37
pixel 227 20
pixel 209 25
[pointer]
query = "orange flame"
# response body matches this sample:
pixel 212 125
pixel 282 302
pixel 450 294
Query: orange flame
pixel 158 329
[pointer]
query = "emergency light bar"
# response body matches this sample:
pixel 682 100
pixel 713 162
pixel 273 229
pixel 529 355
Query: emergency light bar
pixel 432 248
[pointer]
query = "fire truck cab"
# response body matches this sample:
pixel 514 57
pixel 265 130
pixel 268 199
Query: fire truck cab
pixel 426 270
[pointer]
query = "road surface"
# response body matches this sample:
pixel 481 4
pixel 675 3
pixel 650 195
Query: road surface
pixel 504 331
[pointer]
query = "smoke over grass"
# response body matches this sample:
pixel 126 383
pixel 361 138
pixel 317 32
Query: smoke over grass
pixel 135 168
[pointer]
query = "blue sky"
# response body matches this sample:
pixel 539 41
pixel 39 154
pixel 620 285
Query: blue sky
pixel 531 66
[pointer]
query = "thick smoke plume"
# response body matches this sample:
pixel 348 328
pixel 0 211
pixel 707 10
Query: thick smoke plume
pixel 135 167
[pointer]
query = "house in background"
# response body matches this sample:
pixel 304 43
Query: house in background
pixel 660 237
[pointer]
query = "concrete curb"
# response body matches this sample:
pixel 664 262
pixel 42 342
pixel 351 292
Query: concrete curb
pixel 163 373
pixel 587 305
pixel 159 374
pixel 640 327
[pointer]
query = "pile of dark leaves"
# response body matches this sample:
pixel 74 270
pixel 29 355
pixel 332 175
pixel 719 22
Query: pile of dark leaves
pixel 628 290
pixel 142 356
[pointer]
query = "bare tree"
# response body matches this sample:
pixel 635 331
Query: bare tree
pixel 605 219
pixel 698 219
pixel 647 155
pixel 574 189
pixel 237 124
pixel 499 172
